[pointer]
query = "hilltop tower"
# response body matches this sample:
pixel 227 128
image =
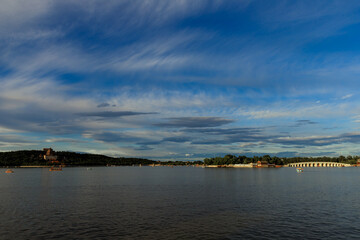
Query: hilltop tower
pixel 49 155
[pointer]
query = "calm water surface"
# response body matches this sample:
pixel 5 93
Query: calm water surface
pixel 180 203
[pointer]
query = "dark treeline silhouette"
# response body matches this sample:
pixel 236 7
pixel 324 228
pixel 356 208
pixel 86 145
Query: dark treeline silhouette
pixel 32 158
pixel 181 163
pixel 86 159
pixel 232 159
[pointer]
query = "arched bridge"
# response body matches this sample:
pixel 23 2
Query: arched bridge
pixel 318 164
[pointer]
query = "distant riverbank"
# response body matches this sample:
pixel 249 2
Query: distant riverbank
pixel 38 158
pixel 34 166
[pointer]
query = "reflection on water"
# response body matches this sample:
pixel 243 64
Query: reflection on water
pixel 180 203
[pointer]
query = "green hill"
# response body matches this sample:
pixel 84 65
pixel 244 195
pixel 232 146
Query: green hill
pixel 33 158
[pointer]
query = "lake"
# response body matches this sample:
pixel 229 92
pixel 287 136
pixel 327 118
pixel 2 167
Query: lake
pixel 180 203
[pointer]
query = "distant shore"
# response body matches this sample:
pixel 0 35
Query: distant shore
pixel 134 165
pixel 34 166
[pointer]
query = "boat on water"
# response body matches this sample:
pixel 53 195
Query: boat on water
pixel 299 170
pixel 54 168
pixel 9 171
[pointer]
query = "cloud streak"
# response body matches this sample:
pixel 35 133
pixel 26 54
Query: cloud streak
pixel 109 114
pixel 194 122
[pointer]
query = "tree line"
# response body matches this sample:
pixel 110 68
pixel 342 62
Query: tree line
pixel 33 158
pixel 233 159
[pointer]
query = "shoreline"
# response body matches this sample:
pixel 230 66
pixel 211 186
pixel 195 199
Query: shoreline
pixel 33 167
pixel 136 165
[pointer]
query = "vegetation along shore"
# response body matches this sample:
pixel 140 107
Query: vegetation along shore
pixel 47 157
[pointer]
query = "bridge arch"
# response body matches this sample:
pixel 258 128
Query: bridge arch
pixel 318 164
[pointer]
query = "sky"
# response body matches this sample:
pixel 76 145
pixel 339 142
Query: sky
pixel 181 80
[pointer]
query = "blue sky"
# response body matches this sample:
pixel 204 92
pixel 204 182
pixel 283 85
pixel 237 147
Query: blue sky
pixel 180 80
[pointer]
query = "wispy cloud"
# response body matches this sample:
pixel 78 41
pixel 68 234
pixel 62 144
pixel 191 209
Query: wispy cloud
pixel 303 122
pixel 113 137
pixel 319 140
pixel 170 78
pixel 113 114
pixel 294 110
pixel 64 140
pixel 346 96
pixel 102 105
pixel 195 122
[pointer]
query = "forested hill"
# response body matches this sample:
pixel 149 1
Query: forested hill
pixel 232 159
pixel 32 158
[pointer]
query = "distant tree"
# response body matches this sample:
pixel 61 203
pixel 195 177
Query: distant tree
pixel 341 159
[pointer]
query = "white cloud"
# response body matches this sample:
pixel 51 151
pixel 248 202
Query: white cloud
pixel 16 15
pixel 292 111
pixel 347 96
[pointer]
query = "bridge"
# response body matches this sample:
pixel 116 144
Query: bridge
pixel 318 164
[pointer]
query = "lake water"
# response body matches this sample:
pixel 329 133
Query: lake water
pixel 180 203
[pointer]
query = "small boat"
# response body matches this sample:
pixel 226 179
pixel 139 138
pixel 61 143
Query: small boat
pixel 9 171
pixel 59 168
pixel 89 168
pixel 300 170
